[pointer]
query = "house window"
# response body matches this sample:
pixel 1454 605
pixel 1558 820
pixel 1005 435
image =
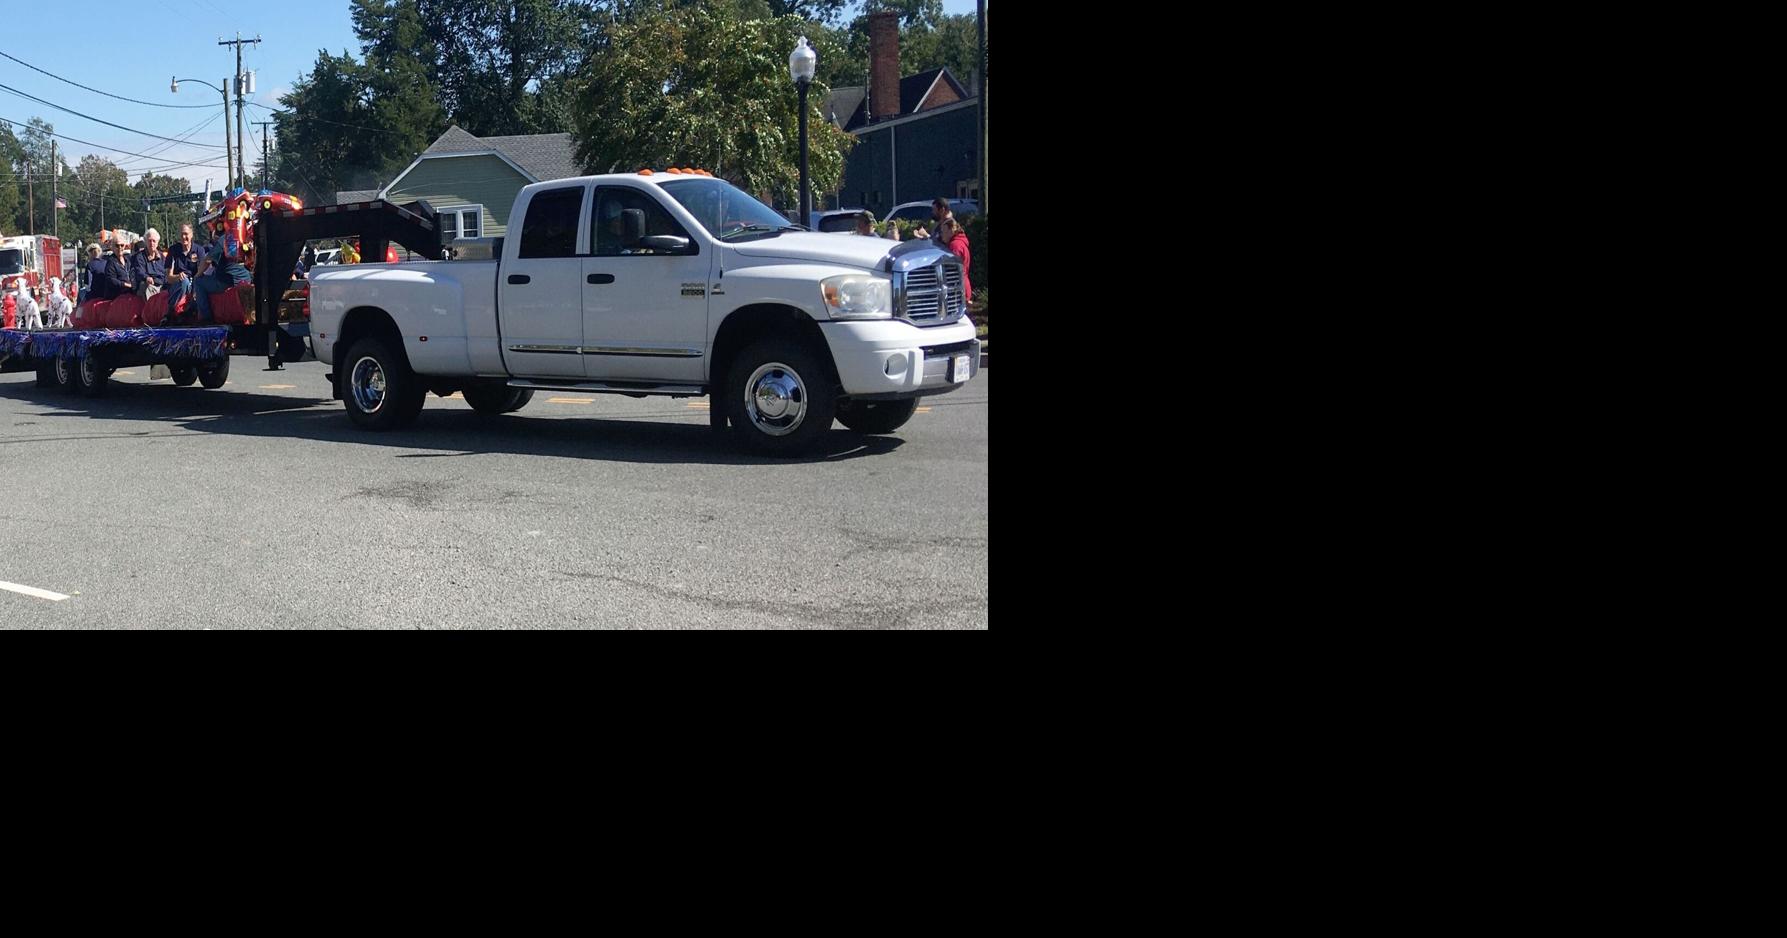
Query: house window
pixel 462 221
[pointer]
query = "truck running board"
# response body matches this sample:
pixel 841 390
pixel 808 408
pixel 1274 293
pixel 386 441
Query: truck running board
pixel 640 389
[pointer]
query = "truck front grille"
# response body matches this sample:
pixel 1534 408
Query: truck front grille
pixel 933 295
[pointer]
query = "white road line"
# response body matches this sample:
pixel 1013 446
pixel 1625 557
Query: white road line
pixel 32 591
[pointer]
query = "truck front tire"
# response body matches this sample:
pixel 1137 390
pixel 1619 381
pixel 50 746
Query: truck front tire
pixel 378 387
pixel 779 397
pixel 874 417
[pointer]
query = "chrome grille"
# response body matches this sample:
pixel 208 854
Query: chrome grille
pixel 933 294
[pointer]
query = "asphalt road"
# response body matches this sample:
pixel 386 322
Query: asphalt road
pixel 261 506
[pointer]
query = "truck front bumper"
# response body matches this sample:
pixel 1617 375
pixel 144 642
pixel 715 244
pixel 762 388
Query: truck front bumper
pixel 892 359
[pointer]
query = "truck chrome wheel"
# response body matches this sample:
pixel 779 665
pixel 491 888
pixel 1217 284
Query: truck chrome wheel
pixel 368 385
pixel 775 399
pixel 64 376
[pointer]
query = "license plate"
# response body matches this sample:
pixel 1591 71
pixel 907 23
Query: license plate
pixel 959 371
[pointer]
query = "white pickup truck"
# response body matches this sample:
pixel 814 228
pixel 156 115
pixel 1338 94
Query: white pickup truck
pixel 675 284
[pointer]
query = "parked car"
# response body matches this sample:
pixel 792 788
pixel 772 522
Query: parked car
pixel 921 211
pixel 839 221
pixel 328 256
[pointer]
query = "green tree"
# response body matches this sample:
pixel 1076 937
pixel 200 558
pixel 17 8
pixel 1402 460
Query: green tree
pixel 499 67
pixel 348 122
pixel 697 85
pixel 95 177
pixel 12 193
pixel 166 219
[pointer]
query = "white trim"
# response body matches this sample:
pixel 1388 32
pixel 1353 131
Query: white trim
pixel 927 95
pixel 921 115
pixel 386 191
pixel 458 213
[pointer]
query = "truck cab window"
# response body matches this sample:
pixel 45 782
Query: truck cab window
pixel 550 229
pixel 608 225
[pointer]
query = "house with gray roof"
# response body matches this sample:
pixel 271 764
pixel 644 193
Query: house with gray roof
pixel 473 181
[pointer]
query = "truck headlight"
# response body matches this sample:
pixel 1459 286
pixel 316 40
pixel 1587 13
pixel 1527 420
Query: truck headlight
pixel 854 296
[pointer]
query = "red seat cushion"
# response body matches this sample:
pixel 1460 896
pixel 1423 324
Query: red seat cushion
pixel 91 314
pixel 124 312
pixel 226 308
pixel 156 309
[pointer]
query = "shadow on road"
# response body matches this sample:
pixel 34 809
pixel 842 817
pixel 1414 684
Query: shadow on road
pixel 644 438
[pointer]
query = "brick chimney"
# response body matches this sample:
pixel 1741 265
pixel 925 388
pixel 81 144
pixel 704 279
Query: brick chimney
pixel 884 65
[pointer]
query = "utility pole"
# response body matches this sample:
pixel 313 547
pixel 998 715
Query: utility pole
pixel 56 193
pixel 980 23
pixel 227 155
pixel 241 129
pixel 30 201
pixel 266 142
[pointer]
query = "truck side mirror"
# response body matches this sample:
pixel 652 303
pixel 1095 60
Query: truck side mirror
pixel 633 225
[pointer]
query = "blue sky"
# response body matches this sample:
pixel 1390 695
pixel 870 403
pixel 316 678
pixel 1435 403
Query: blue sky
pixel 107 59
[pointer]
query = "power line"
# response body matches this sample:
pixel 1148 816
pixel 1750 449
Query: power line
pixel 321 120
pixel 186 134
pixel 96 90
pixel 104 147
pixel 12 90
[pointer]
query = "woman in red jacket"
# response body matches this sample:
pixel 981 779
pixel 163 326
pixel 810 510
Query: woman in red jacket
pixel 950 232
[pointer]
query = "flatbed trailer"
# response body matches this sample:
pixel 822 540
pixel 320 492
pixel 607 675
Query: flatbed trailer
pixel 83 360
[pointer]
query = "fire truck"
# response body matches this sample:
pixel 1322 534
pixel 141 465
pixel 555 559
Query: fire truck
pixel 35 258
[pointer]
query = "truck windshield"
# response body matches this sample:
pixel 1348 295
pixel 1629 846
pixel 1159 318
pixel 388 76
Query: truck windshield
pixel 12 261
pixel 725 210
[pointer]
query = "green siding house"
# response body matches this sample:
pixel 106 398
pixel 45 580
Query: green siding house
pixel 473 181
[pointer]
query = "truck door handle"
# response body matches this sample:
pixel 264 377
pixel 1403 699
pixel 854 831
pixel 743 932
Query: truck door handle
pixel 520 279
pixel 599 278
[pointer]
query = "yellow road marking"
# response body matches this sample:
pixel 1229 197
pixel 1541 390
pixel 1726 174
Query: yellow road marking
pixel 456 396
pixel 570 400
pixel 698 405
pixel 277 387
pixel 924 410
pixel 130 374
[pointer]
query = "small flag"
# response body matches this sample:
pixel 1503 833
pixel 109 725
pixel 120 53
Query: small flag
pixel 61 203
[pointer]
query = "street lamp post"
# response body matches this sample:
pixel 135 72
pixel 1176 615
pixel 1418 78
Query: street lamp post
pixel 801 64
pixel 174 86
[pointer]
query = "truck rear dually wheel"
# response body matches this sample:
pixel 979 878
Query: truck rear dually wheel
pixel 62 372
pixel 877 416
pixel 381 392
pixel 493 400
pixel 183 375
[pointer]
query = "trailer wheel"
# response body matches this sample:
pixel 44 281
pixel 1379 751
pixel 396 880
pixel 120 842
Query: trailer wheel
pixel 62 373
pixel 92 375
pixel 380 391
pixel 183 375
pixel 213 376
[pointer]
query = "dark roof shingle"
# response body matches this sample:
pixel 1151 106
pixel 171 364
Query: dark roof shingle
pixel 544 156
